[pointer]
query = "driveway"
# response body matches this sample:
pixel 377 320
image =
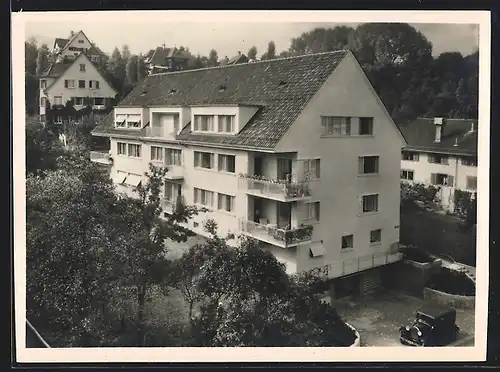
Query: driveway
pixel 378 317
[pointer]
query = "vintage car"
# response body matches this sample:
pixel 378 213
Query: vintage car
pixel 432 326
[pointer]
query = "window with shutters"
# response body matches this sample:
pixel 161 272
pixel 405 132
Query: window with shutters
pixel 312 168
pixel 203 160
pixel 368 164
pixel 70 84
pixel 225 202
pixel 335 126
pixel 82 67
pixel 81 83
pixel 227 163
pixel 442 179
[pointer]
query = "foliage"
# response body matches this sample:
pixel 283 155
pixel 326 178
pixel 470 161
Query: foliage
pixel 30 55
pixel 416 191
pixel 416 254
pixel 452 281
pixel 131 69
pixel 213 58
pixel 252 53
pixel 42 60
pixel 141 69
pixel 465 206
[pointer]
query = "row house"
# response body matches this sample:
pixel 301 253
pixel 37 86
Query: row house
pixel 298 153
pixel 75 76
pixel 441 152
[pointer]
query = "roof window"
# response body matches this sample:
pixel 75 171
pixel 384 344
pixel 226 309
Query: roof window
pixel 283 83
pixel 173 91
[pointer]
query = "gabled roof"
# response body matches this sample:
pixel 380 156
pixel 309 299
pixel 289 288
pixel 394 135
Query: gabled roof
pixel 56 69
pixel 159 56
pixel 74 37
pixel 239 58
pixel 282 87
pixel 420 135
pixel 60 42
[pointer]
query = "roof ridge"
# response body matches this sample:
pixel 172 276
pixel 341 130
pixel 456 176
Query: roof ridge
pixel 252 63
pixel 432 118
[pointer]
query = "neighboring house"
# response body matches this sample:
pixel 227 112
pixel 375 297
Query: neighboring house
pixel 239 58
pixel 66 50
pixel 278 150
pixel 163 59
pixel 441 152
pixel 79 81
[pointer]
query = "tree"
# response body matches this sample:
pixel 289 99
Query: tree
pixel 132 69
pixel 322 40
pixel 30 55
pixel 213 58
pixel 271 50
pixel 252 53
pixel 71 250
pixel 141 69
pixel 42 61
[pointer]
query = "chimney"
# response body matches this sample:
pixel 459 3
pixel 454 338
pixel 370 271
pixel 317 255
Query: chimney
pixel 456 142
pixel 438 122
pixel 239 53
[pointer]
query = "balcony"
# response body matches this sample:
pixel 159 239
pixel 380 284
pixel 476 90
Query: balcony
pixel 276 236
pixel 101 157
pixel 159 132
pixel 355 265
pixel 174 172
pixel 280 190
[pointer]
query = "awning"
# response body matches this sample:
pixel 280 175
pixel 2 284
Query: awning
pixel 133 180
pixel 119 178
pixel 317 249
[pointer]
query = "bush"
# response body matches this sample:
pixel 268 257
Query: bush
pixel 415 191
pixel 416 254
pixel 452 282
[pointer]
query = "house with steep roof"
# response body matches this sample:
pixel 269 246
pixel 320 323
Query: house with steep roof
pixel 279 150
pixel 441 152
pixel 238 58
pixel 75 76
pixel 164 59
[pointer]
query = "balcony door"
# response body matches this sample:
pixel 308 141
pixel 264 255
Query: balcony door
pixel 284 215
pixel 284 169
pixel 257 166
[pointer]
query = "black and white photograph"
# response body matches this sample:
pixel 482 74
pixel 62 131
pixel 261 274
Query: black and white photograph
pixel 198 186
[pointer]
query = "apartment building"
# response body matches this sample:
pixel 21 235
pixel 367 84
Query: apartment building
pixel 75 76
pixel 441 152
pixel 298 153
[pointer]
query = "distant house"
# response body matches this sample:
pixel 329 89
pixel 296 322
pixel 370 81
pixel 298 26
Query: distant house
pixel 163 59
pixel 75 76
pixel 441 152
pixel 239 58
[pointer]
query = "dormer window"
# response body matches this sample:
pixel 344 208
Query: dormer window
pixel 226 123
pixel 128 121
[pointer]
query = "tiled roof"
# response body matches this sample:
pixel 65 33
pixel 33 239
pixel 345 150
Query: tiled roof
pixel 420 135
pixel 240 58
pixel 60 42
pixel 56 69
pixel 282 87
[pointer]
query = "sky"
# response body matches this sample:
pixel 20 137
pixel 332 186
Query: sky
pixel 226 37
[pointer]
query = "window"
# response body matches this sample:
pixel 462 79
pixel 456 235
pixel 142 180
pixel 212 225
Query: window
pixel 203 160
pixel 99 101
pixel 58 120
pixel 77 101
pixel 204 123
pixel 313 211
pixel 172 190
pixel 134 150
pixel 227 163
pixel 312 168
pixel 365 126
pixel 347 242
pixel 121 148
pixel 407 175
pixel 81 83
pixel 470 162
pixel 173 157
pixel 370 203
pixel 43 101
pixel 93 84
pixel 225 202
pixel 368 164
pixel 203 197
pixel 226 123
pixel 437 158
pixel 410 156
pixel 94 58
pixel 376 236
pixel 335 126
pixel 156 153
pixel 80 41
pixel 471 183
pixel 43 84
pixel 441 179
pixel 316 250
pixel 82 67
pixel 58 100
pixel 70 84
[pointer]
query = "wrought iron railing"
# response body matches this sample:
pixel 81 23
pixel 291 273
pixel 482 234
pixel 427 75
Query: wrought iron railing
pixel 272 233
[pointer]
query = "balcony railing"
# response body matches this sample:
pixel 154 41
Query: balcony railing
pixel 342 268
pixel 281 190
pixel 274 235
pixel 159 132
pixel 101 157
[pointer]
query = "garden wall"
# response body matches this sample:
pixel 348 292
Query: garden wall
pixel 447 299
pixel 438 234
pixel 409 276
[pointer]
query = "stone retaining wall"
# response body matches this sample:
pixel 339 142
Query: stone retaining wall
pixel 448 299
